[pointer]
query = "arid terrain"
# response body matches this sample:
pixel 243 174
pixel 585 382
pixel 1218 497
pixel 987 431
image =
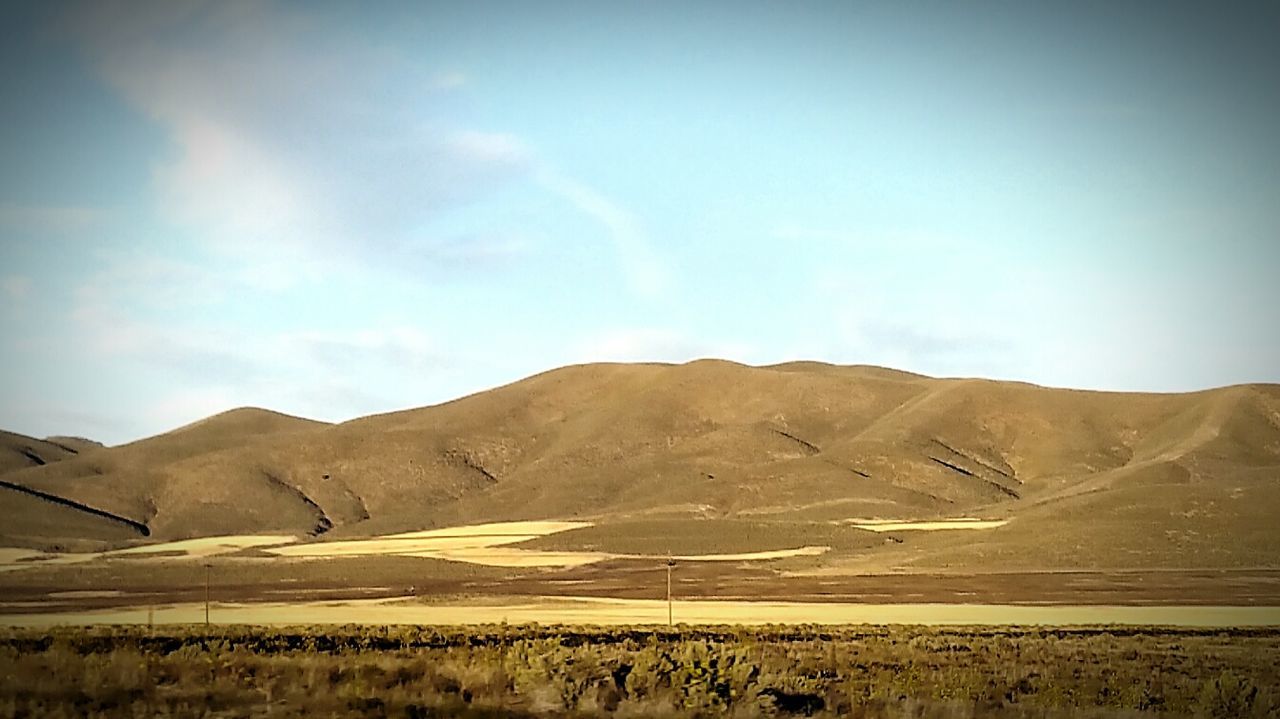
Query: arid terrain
pixel 641 671
pixel 798 482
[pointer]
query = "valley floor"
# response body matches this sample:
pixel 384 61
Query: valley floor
pixel 124 584
pixel 729 570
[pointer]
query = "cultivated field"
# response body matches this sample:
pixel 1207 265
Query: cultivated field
pixel 641 671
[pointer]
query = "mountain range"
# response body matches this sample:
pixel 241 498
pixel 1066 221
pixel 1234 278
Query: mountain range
pixel 1084 478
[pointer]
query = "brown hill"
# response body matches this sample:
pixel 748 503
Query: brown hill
pixel 1086 478
pixel 20 451
pixel 76 445
pixel 115 492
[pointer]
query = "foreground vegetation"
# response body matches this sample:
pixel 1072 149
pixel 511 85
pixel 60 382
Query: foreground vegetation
pixel 559 671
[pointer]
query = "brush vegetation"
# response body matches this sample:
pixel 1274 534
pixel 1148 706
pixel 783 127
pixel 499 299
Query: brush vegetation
pixel 640 671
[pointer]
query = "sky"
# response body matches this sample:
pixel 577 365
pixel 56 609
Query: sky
pixel 337 209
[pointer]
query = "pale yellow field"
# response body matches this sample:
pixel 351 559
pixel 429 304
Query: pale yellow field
pixel 12 559
pixel 41 559
pixel 512 557
pixel 493 529
pixel 207 546
pixel 484 544
pixel 11 556
pixel 900 525
pixel 472 543
pixel 751 556
pixel 634 611
pixel 475 544
pixel 383 546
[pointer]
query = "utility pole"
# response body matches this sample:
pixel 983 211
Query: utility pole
pixel 207 566
pixel 670 563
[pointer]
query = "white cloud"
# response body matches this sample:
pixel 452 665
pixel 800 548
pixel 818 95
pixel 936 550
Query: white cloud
pixel 475 249
pixel 496 148
pixel 398 349
pixel 134 278
pixel 327 374
pixel 223 180
pixel 222 353
pixel 290 142
pixel 920 302
pixel 644 272
pixel 321 374
pixel 448 80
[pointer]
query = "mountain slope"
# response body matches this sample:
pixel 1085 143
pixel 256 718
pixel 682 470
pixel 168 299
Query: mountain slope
pixel 131 482
pixel 1117 479
pixel 19 451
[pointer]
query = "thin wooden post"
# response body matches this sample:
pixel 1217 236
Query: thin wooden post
pixel 206 594
pixel 670 563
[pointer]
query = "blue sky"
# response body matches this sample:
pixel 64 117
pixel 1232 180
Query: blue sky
pixel 333 210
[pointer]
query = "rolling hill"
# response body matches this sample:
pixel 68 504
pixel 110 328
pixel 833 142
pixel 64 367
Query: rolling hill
pixel 1087 479
pixel 19 451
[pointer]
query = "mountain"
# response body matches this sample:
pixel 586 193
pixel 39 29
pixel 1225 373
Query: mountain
pixel 19 451
pixel 1086 478
pixel 113 493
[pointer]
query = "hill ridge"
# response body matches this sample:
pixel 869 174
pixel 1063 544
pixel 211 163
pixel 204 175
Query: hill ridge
pixel 610 440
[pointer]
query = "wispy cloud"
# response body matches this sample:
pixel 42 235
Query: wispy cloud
pixel 324 373
pixel 289 140
pixel 299 153
pixel 644 271
pixel 475 250
pixel 911 300
pixel 138 278
pixel 489 148
pixel 448 80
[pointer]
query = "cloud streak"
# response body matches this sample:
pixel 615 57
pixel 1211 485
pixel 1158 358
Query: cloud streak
pixel 290 140
pixel 645 273
pixel 322 373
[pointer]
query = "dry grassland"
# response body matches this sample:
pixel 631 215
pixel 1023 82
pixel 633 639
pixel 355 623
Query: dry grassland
pixel 641 671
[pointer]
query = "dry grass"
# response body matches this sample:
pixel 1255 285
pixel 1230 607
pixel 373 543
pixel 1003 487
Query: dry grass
pixel 641 671
pixel 19 451
pixel 704 536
